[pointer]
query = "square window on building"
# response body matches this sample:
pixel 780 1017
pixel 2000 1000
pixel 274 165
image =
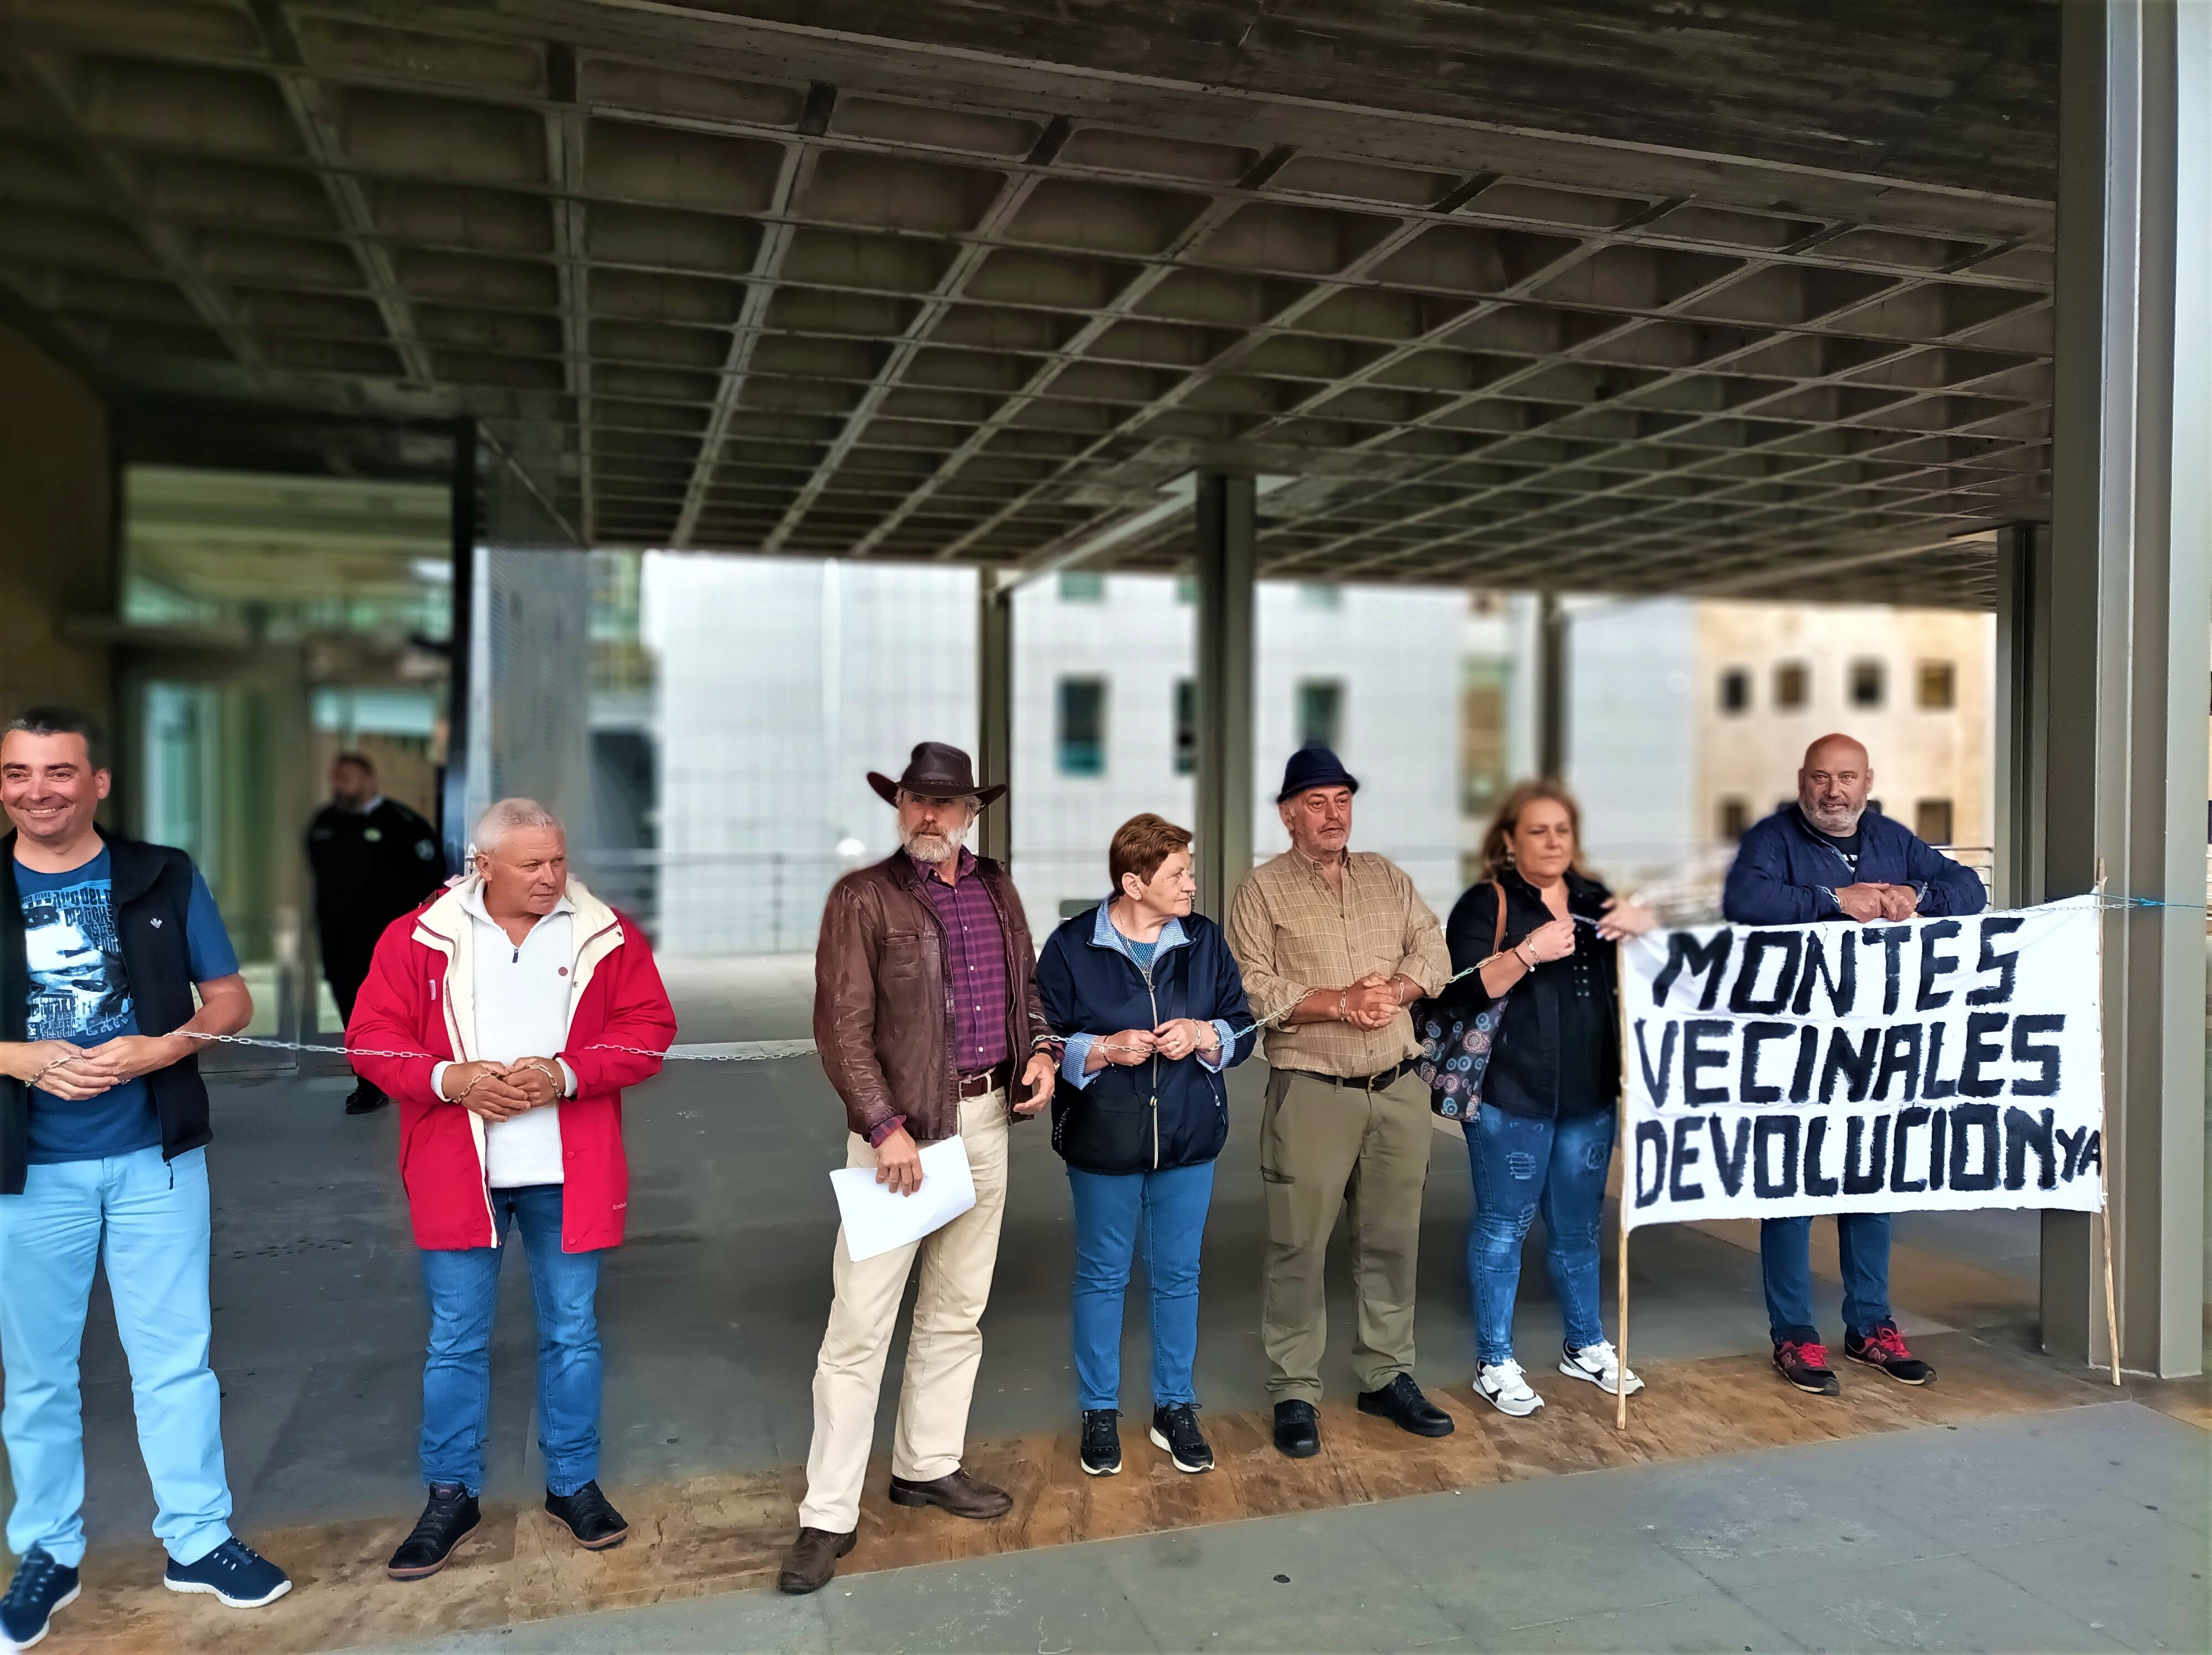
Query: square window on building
pixel 1735 690
pixel 1081 586
pixel 1319 712
pixel 1931 820
pixel 1186 727
pixel 1793 686
pixel 1321 595
pixel 1869 680
pixel 1083 726
pixel 1735 820
pixel 1938 688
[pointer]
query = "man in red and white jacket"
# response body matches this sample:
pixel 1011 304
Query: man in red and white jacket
pixel 523 1005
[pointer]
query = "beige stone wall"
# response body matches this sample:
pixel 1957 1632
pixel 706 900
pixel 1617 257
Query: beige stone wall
pixel 57 541
pixel 1918 753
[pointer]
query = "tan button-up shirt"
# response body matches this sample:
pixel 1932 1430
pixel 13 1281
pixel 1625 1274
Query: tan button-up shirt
pixel 1292 931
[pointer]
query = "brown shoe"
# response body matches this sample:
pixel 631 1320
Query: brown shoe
pixel 812 1560
pixel 957 1492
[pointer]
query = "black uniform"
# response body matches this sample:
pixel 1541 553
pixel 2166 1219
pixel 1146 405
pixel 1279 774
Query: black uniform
pixel 369 869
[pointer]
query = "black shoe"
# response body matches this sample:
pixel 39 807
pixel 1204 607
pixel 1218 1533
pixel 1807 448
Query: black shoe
pixel 1400 1402
pixel 450 1517
pixel 1176 1429
pixel 1805 1365
pixel 1297 1430
pixel 596 1524
pixel 812 1560
pixel 40 1586
pixel 365 1099
pixel 1101 1442
pixel 1885 1348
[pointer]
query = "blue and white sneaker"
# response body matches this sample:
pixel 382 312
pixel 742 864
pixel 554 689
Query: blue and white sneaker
pixel 40 1586
pixel 234 1573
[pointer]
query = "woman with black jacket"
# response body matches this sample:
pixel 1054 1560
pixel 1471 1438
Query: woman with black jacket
pixel 1152 1008
pixel 1542 1140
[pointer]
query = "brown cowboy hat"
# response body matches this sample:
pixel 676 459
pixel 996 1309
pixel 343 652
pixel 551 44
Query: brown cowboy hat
pixel 936 770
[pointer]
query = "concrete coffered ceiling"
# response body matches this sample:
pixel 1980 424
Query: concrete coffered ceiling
pixel 1741 298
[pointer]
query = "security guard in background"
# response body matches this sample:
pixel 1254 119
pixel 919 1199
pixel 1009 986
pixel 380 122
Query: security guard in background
pixel 374 859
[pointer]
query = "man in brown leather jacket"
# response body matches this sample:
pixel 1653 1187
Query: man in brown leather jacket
pixel 925 1010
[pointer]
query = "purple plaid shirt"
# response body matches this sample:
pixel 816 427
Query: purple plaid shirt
pixel 974 966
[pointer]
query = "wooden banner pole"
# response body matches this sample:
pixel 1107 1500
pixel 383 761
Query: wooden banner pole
pixel 2105 1148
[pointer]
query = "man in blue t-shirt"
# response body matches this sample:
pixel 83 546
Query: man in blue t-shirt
pixel 105 943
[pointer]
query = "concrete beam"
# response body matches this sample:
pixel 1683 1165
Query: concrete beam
pixel 1226 534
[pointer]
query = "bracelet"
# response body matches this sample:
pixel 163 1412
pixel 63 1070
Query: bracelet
pixel 1529 960
pixel 1341 1016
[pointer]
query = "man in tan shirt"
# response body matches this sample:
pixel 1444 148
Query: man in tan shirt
pixel 1335 945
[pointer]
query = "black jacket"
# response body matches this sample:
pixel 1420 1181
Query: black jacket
pixel 369 869
pixel 1133 1118
pixel 153 893
pixel 1523 1077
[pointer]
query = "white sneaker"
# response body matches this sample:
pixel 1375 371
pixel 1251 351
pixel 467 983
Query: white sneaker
pixel 1600 1366
pixel 1503 1385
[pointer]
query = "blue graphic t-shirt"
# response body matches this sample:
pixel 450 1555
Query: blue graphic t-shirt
pixel 80 993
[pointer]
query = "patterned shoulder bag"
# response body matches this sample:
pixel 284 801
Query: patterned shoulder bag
pixel 1455 1050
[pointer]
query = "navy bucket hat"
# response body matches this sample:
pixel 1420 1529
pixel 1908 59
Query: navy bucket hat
pixel 1313 767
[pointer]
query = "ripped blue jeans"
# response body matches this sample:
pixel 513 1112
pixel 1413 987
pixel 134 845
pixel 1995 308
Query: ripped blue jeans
pixel 1524 1165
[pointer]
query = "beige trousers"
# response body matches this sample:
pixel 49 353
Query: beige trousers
pixel 943 1351
pixel 1325 1149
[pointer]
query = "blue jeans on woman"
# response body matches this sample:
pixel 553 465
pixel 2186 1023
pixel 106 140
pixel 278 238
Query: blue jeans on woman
pixel 1522 1165
pixel 463 1284
pixel 1169 1208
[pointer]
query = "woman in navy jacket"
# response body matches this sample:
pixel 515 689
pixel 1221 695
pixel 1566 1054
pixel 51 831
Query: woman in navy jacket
pixel 1153 1008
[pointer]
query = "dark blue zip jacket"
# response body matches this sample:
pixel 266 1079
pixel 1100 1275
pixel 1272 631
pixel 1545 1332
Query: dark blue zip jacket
pixel 1157 1113
pixel 1786 873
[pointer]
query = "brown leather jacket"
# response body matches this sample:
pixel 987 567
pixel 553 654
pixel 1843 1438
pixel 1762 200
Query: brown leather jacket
pixel 883 1014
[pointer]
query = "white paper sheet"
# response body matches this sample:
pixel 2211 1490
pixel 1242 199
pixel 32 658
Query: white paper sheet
pixel 876 1220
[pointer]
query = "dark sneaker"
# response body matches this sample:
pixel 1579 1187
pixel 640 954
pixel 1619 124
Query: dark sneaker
pixel 366 1100
pixel 596 1524
pixel 1885 1348
pixel 450 1517
pixel 1297 1429
pixel 1805 1365
pixel 233 1574
pixel 1400 1402
pixel 1102 1441
pixel 40 1586
pixel 1176 1429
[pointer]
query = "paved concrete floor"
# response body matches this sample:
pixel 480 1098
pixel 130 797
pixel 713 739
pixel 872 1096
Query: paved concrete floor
pixel 2082 1530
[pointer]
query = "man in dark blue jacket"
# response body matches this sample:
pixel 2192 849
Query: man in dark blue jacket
pixel 1825 857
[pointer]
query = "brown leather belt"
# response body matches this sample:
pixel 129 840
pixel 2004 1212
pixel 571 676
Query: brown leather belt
pixel 990 1079
pixel 1374 1082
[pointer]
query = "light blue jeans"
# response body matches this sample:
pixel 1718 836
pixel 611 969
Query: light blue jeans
pixel 462 1285
pixel 151 1220
pixel 1523 1164
pixel 1170 1208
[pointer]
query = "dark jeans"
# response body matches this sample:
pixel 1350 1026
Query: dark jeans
pixel 1523 1164
pixel 463 1284
pixel 1785 1260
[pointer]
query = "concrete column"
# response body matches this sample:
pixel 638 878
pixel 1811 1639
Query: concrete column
pixel 1225 537
pixel 1552 643
pixel 994 706
pixel 2124 785
pixel 2021 722
pixel 453 784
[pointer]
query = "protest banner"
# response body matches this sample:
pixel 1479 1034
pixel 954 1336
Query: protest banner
pixel 1928 1065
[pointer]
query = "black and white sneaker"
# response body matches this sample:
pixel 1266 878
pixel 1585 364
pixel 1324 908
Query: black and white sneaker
pixel 1176 1429
pixel 1102 1441
pixel 233 1573
pixel 40 1586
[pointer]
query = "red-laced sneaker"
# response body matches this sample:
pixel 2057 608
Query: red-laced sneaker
pixel 1885 1348
pixel 1805 1367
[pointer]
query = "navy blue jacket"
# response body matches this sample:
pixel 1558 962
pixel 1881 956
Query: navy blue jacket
pixel 1782 868
pixel 1156 1113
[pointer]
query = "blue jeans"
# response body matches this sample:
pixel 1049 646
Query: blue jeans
pixel 1172 1204
pixel 463 1284
pixel 1522 1165
pixel 1785 1261
pixel 151 1221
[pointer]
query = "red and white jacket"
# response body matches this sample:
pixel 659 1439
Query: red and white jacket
pixel 420 999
